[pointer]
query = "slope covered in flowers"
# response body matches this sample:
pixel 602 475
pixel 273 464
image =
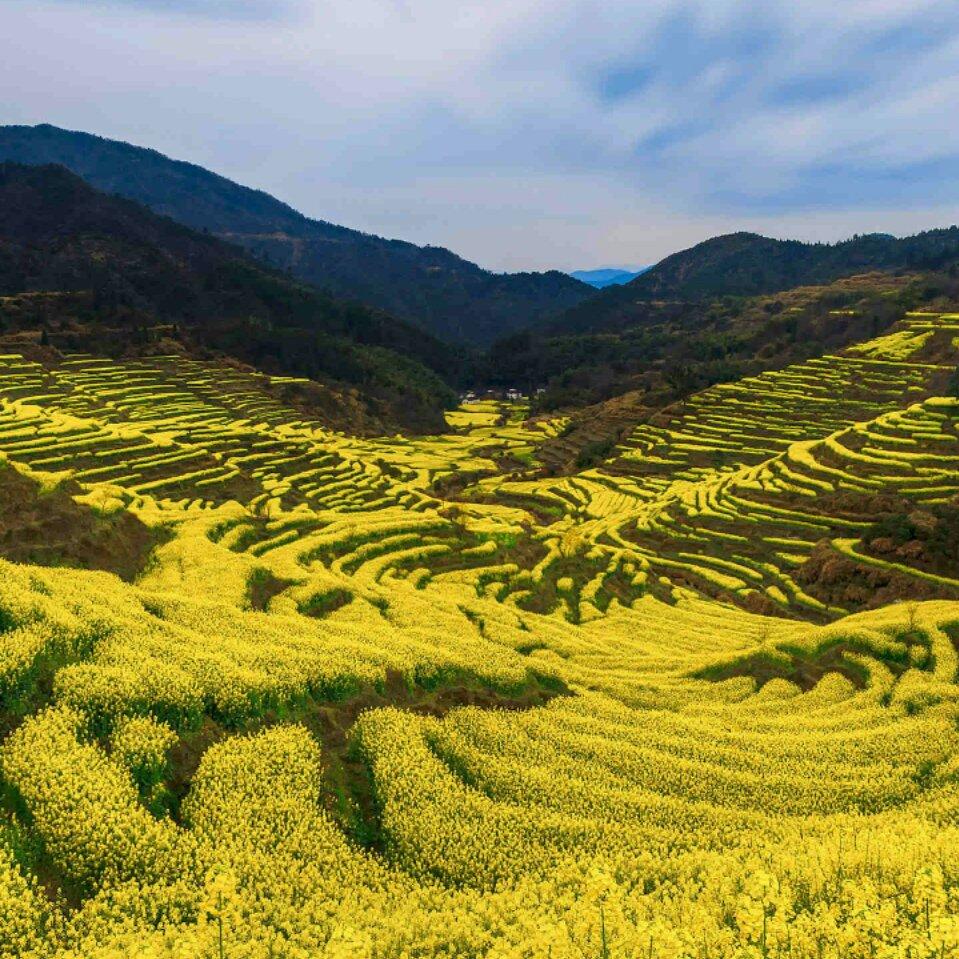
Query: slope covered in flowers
pixel 411 697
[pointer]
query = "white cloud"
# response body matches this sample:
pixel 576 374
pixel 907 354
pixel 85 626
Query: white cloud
pixel 524 133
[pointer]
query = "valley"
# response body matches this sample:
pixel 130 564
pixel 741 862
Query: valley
pixel 419 695
pixel 358 602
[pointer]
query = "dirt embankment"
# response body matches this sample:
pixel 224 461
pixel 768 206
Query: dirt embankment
pixel 592 433
pixel 901 534
pixel 49 528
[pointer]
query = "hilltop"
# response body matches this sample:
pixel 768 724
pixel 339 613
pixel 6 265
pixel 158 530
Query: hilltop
pixel 105 274
pixel 450 297
pixel 729 307
pixel 671 349
pixel 747 264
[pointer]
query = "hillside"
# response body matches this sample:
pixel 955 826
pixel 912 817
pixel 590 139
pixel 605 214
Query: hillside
pixel 408 695
pixel 48 522
pixel 746 264
pixel 675 348
pixel 730 307
pixel 439 291
pixel 105 274
pixel 813 491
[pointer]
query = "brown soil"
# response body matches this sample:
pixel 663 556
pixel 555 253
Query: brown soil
pixel 604 422
pixel 840 581
pixel 451 485
pixel 544 514
pixel 262 586
pixel 343 408
pixel 52 529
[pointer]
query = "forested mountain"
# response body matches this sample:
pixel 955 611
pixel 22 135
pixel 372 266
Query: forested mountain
pixel 729 307
pixel 746 264
pixel 716 311
pixel 103 273
pixel 452 298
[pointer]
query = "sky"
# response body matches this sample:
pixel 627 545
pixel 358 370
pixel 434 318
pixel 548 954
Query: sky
pixel 566 134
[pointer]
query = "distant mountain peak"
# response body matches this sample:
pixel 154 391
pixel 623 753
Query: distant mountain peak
pixel 608 275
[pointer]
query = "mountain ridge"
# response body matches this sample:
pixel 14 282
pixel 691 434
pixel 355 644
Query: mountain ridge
pixel 431 286
pixel 749 264
pixel 607 276
pixel 100 272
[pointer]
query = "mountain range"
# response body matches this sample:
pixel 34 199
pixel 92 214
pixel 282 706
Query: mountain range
pixel 104 274
pixel 747 264
pixel 439 291
pixel 150 240
pixel 607 276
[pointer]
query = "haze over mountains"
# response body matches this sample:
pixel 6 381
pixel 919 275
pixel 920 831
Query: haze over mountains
pixel 607 276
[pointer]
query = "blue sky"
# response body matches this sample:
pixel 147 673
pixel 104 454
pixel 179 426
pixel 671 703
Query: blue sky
pixel 522 134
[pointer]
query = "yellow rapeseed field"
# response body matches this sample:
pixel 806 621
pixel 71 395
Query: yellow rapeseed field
pixel 353 709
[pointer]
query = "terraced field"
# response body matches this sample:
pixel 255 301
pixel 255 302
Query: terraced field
pixel 413 697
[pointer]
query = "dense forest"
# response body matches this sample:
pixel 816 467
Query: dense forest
pixel 726 308
pixel 673 349
pixel 746 264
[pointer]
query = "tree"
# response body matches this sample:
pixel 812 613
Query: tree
pixel 953 387
pixel 680 378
